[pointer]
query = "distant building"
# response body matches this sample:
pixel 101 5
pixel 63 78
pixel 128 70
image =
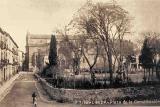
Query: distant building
pixel 35 44
pixel 8 56
pixel 37 51
pixel 21 58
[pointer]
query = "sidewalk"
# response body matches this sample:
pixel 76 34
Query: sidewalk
pixel 7 86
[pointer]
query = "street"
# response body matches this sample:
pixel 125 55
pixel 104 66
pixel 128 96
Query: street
pixel 20 95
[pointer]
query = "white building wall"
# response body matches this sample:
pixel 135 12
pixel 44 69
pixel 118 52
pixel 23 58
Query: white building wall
pixel 6 55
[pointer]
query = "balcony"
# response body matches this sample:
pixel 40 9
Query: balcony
pixel 3 45
pixel 14 51
pixel 3 62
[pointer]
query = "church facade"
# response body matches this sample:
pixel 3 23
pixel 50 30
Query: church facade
pixel 34 45
pixel 37 51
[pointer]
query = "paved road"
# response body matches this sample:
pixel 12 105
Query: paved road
pixel 20 95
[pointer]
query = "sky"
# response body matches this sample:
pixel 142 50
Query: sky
pixel 17 17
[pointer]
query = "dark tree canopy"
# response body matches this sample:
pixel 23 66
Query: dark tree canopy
pixel 53 51
pixel 146 57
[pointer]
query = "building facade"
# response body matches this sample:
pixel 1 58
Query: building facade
pixel 36 44
pixel 21 59
pixel 37 51
pixel 8 56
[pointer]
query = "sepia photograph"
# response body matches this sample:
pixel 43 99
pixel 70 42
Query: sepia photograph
pixel 79 53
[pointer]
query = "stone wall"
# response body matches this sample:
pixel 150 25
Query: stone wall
pixel 100 96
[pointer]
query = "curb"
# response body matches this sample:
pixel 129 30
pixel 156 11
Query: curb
pixel 7 86
pixel 51 101
pixel 41 96
pixel 38 90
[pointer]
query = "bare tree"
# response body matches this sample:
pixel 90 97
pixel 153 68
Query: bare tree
pixel 107 23
pixel 72 44
pixel 94 45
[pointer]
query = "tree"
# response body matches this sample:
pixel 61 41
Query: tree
pixel 153 42
pixel 66 52
pixel 72 47
pixel 106 23
pixel 80 46
pixel 126 53
pixel 39 60
pixel 93 45
pixel 146 57
pixel 53 51
pixel 34 60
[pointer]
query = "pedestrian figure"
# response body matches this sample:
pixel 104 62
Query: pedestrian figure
pixel 34 97
pixel 35 102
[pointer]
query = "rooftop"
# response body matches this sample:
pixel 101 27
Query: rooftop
pixel 7 34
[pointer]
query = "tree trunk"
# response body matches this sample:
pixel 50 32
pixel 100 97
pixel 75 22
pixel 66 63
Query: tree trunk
pixel 92 76
pixel 144 77
pixel 110 66
pixel 127 73
pixel 157 73
pixel 152 72
pixel 149 75
pixel 104 68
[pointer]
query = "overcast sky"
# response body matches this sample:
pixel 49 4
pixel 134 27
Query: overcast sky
pixel 44 16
